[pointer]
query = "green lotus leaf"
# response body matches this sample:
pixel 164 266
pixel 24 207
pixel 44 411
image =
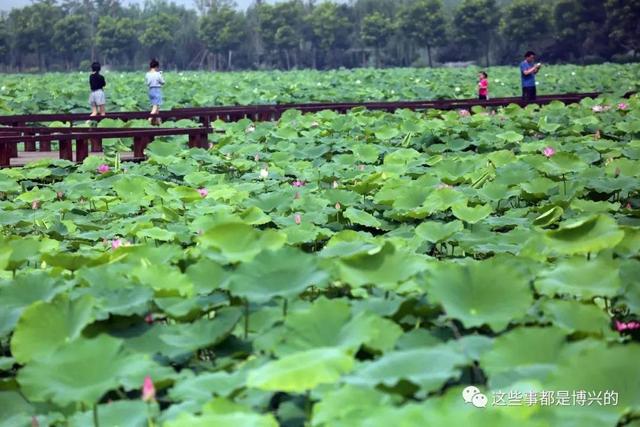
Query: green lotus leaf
pixel 202 387
pixel 581 278
pixel 223 420
pixel 163 279
pixel 15 410
pixel 156 233
pixel 206 276
pixel 471 214
pixel 585 235
pixel 339 328
pixel 361 217
pixel 428 368
pixel 442 199
pixel 302 371
pixel 493 292
pixel 348 404
pixel 25 289
pixel 282 273
pixel 549 216
pixel 45 326
pixel 204 332
pixel 81 371
pixel 75 261
pixel 615 373
pixel 436 232
pixel 539 187
pixel 523 354
pixel 510 136
pixel 574 316
pixel 122 413
pixel 385 268
pixel 240 242
pixel 630 245
pixel 563 163
pixel 386 133
pixel 131 188
pixel 366 153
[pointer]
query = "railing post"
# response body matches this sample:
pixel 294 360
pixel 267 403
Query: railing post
pixel 66 148
pixel 30 145
pixel 139 145
pixel 96 145
pixel 82 149
pixel 5 154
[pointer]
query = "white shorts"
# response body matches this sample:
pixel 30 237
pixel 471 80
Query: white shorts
pixel 97 98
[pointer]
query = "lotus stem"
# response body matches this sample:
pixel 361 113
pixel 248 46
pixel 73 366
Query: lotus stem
pixel 246 319
pixel 284 307
pixel 96 422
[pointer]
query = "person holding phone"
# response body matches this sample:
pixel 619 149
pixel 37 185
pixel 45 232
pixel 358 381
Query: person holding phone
pixel 528 71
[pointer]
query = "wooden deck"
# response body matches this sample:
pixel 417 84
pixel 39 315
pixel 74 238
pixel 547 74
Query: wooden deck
pixel 25 157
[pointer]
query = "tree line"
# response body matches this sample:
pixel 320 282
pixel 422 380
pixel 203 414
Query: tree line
pixel 215 34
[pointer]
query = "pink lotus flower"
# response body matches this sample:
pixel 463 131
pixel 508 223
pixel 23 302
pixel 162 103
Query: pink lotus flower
pixel 116 243
pixel 338 206
pixel 203 192
pixel 335 184
pixel 622 106
pixel 298 183
pixel 149 319
pixel 628 326
pixel 548 152
pixel 148 390
pixel 103 168
pixel 297 218
pixel 629 206
pixel 464 113
pixel 35 204
pixel 59 195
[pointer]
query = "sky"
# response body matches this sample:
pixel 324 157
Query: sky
pixel 9 4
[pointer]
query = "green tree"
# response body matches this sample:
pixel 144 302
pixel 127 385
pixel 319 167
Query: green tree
pixel 33 30
pixel 525 22
pixel 5 41
pixel 329 28
pixel 423 22
pixel 158 34
pixel 222 30
pixel 116 38
pixel 624 23
pixel 71 37
pixel 476 23
pixel 280 26
pixel 375 32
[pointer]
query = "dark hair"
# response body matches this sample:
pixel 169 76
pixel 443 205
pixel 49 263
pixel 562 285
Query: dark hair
pixel 154 63
pixel 529 53
pixel 95 67
pixel 484 74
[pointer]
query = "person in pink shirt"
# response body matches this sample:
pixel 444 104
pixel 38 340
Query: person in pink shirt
pixel 483 86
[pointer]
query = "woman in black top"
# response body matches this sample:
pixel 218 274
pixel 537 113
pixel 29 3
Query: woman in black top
pixel 97 83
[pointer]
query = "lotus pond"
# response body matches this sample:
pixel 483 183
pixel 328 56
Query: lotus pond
pixel 332 270
pixel 68 92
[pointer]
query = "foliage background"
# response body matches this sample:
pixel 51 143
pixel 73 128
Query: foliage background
pixel 67 34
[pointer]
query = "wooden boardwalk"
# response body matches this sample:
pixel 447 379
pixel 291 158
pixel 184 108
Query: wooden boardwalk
pixel 25 157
